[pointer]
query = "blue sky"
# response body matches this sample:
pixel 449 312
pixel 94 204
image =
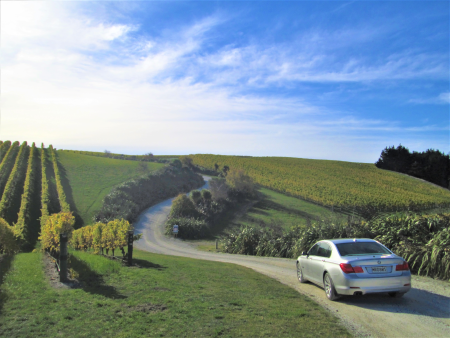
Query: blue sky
pixel 311 79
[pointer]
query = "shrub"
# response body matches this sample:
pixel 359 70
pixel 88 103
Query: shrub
pixel 424 241
pixel 182 206
pixel 196 197
pixel 240 183
pixel 188 228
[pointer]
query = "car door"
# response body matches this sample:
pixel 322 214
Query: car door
pixel 318 262
pixel 310 259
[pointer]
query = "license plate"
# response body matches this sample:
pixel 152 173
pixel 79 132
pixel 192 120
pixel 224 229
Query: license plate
pixel 379 269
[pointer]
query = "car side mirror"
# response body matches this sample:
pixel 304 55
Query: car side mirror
pixel 304 253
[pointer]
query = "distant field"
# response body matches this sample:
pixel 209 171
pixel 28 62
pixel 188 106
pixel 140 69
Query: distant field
pixel 123 156
pixel 335 183
pixel 90 179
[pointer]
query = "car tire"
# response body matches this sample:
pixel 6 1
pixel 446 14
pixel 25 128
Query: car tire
pixel 328 285
pixel 396 294
pixel 300 276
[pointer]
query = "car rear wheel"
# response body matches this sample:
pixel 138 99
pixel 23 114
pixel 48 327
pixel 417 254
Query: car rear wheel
pixel 328 285
pixel 396 294
pixel 300 276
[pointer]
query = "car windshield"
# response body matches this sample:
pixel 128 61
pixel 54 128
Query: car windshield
pixel 361 248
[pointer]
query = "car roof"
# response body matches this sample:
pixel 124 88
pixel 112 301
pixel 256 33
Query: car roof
pixel 349 240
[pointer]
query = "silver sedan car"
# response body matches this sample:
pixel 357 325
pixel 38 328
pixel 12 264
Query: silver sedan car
pixel 354 267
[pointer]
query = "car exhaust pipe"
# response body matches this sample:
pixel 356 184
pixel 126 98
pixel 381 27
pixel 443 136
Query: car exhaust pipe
pixel 358 293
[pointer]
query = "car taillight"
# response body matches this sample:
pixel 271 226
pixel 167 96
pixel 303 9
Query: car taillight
pixel 348 268
pixel 358 269
pixel 402 267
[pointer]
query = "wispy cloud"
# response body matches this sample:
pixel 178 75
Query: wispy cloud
pixel 442 98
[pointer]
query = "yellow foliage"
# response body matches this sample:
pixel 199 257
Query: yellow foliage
pixel 102 236
pixel 8 242
pixel 55 225
pixel 97 233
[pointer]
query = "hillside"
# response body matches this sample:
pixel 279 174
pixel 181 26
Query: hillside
pixel 361 187
pixel 88 179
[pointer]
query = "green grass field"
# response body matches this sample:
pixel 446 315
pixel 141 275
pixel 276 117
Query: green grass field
pixel 165 297
pixel 284 211
pixel 89 179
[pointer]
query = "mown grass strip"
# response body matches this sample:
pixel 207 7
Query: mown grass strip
pixel 165 296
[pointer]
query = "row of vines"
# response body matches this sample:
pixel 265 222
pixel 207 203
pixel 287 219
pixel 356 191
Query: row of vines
pixel 14 185
pixel 101 236
pixel 21 184
pixel 97 237
pixel 22 231
pixel 7 164
pixel 65 207
pixel 23 179
pixel 45 194
pixel 361 187
pixel 4 147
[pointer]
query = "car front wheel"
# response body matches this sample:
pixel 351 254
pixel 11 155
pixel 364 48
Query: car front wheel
pixel 328 285
pixel 300 276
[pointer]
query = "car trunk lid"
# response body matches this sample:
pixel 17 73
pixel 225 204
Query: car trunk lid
pixel 377 266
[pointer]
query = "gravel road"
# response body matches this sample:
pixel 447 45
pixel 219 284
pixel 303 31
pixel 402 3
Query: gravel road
pixel 422 312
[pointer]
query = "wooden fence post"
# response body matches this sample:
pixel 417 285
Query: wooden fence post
pixel 130 247
pixel 63 257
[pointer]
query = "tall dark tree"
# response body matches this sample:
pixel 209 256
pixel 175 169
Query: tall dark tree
pixel 395 159
pixel 431 165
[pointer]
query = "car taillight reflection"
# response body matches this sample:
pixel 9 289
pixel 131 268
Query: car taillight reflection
pixel 402 267
pixel 348 268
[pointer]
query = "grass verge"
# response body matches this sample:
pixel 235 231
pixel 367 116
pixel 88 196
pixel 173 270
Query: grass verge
pixel 163 297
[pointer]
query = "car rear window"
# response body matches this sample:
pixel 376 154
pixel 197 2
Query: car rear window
pixel 361 248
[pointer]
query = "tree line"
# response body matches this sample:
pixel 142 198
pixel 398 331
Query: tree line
pixel 431 165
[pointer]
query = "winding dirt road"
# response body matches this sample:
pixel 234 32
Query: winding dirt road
pixel 422 312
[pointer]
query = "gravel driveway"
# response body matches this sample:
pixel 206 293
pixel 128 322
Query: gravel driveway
pixel 422 312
